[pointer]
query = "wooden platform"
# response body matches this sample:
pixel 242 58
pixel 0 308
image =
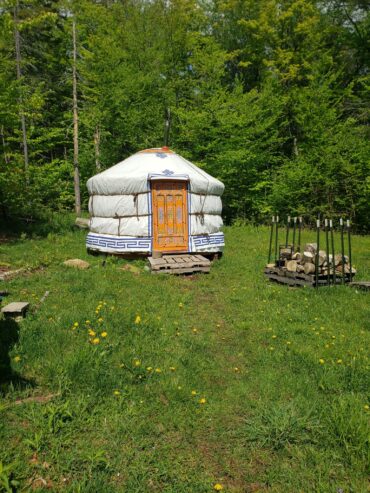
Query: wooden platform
pixel 282 276
pixel 15 309
pixel 364 285
pixel 179 264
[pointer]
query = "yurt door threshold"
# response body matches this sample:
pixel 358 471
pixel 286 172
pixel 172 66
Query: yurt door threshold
pixel 170 216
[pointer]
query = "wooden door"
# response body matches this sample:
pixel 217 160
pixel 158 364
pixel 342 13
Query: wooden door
pixel 170 216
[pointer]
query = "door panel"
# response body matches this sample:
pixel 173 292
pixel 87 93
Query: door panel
pixel 170 216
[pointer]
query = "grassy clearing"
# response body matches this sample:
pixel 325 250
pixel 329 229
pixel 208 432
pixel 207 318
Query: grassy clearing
pixel 201 380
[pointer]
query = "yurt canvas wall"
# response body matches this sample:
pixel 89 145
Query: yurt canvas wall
pixel 155 200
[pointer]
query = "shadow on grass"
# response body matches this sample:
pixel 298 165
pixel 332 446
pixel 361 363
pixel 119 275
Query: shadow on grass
pixel 14 228
pixel 10 379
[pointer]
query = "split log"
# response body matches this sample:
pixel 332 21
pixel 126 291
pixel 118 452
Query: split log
pixel 310 247
pixel 285 253
pixel 269 266
pixel 308 257
pixel 300 268
pixel 338 260
pixel 297 256
pixel 309 268
pixel 321 257
pixel 291 266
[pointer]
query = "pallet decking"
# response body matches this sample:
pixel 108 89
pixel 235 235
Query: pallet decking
pixel 282 276
pixel 364 285
pixel 179 264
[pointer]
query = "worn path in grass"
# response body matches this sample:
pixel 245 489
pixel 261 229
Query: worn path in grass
pixel 173 384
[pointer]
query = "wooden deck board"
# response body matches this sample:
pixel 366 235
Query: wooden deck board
pixel 179 264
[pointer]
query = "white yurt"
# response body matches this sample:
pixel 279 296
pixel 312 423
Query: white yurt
pixel 155 200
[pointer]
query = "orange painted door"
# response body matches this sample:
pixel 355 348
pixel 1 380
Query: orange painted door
pixel 170 216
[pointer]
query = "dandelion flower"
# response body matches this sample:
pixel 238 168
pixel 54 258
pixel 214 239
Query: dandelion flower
pixel 366 407
pixel 288 343
pixel 158 370
pixel 104 334
pixel 95 341
pixel 181 305
pixel 195 330
pixel 339 361
pixel 17 359
pixel 172 368
pixel 92 333
pixel 321 361
pixel 149 368
pixel 117 392
pixel 236 369
pixel 87 322
pixel 137 319
pixel 137 362
pixel 75 324
pixel 100 320
pixel 274 337
pixel 271 348
pixel 218 487
pixel 179 387
pixel 202 400
pixel 193 392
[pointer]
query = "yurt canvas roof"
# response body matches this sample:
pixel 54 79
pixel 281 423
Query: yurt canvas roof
pixel 131 175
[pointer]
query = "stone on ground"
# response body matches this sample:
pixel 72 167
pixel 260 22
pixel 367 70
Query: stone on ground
pixel 77 263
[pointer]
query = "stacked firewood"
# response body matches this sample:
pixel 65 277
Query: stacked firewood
pixel 307 260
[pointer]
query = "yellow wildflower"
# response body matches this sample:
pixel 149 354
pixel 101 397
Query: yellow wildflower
pixel 17 359
pixel 181 305
pixel 75 324
pixel 87 322
pixel 339 361
pixel 274 337
pixel 218 487
pixel 149 368
pixel 288 343
pixel 137 362
pixel 179 387
pixel 92 333
pixel 104 334
pixel 202 400
pixel 366 407
pixel 158 370
pixel 195 330
pixel 321 361
pixel 137 319
pixel 236 369
pixel 193 392
pixel 172 368
pixel 271 348
pixel 95 341
pixel 117 392
pixel 100 320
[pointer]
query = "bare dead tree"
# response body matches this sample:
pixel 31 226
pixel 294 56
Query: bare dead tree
pixel 75 125
pixel 97 147
pixel 18 61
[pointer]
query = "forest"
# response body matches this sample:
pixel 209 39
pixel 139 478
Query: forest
pixel 270 96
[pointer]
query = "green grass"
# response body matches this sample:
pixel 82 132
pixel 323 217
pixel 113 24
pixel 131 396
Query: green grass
pixel 274 420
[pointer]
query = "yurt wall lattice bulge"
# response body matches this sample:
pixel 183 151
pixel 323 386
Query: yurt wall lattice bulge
pixel 155 200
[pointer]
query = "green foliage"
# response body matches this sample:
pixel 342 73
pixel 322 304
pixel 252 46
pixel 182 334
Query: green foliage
pixel 272 97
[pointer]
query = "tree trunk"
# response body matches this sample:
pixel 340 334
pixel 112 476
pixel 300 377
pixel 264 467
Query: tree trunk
pixel 97 148
pixel 18 60
pixel 75 126
pixel 6 159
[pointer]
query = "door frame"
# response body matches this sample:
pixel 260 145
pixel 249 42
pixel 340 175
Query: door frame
pixel 179 178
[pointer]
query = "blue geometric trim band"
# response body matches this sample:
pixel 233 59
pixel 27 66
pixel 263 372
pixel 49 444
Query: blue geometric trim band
pixel 108 243
pixel 118 243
